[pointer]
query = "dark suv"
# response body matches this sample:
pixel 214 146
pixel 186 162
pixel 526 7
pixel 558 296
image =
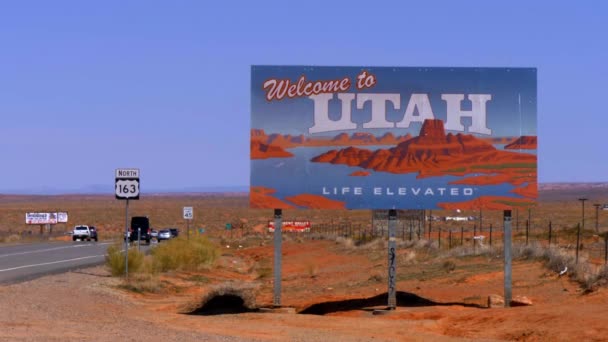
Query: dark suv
pixel 143 224
pixel 174 232
pixel 93 232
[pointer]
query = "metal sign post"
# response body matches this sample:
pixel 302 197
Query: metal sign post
pixel 127 239
pixel 126 187
pixel 188 216
pixel 392 259
pixel 507 249
pixel 278 221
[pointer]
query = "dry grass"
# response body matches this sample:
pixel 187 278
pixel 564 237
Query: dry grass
pixel 143 283
pixel 185 255
pixel 115 260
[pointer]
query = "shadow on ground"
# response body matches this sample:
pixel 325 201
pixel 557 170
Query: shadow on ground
pixel 235 304
pixel 404 299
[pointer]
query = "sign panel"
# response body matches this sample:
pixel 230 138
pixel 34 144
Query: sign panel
pixel 62 217
pixel 188 213
pixel 40 218
pixel 383 137
pixel 291 226
pixel 127 184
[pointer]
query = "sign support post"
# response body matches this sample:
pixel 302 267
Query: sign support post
pixel 126 187
pixel 278 221
pixel 507 249
pixel 188 216
pixel 392 260
pixel 127 237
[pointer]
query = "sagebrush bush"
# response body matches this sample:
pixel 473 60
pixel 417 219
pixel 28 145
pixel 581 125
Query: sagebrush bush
pixel 115 260
pixel 185 255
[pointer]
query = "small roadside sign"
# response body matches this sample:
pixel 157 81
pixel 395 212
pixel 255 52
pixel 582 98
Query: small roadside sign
pixel 188 213
pixel 126 184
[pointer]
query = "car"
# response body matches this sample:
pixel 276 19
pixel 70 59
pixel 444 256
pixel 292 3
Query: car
pixel 83 232
pixel 174 232
pixel 164 234
pixel 154 234
pixel 93 231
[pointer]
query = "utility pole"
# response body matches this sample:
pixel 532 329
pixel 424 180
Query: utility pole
pixel 583 199
pixel 597 217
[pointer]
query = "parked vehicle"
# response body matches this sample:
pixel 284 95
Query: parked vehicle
pixel 164 234
pixel 154 234
pixel 83 232
pixel 174 232
pixel 140 226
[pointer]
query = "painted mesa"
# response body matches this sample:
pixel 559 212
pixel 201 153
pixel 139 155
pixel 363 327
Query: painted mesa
pixel 381 137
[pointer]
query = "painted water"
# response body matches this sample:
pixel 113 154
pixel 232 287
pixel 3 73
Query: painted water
pixel 380 190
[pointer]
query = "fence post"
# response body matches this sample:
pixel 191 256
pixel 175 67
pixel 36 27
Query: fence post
pixel 450 239
pixel 606 248
pixel 550 231
pixel 578 238
pixel 490 235
pixel 527 230
pixel 461 235
pixel 439 230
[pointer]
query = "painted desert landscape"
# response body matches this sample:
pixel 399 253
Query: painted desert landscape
pixel 450 285
pixel 467 159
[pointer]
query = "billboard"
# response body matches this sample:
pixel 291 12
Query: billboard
pixel 62 217
pixel 40 218
pixel 393 138
pixel 291 226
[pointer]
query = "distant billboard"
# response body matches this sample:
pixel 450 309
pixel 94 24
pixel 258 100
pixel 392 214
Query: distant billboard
pixel 383 137
pixel 62 217
pixel 291 226
pixel 40 218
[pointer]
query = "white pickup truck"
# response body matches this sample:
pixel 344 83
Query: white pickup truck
pixel 84 233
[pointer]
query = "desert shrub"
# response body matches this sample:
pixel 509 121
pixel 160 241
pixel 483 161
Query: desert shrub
pixel 142 283
pixel 408 258
pixel 448 266
pixel 115 260
pixel 186 255
pixel 348 243
pixel 263 269
pixel 529 252
pixel 11 238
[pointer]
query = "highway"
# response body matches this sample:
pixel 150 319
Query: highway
pixel 28 261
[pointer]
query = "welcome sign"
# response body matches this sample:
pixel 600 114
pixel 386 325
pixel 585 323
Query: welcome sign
pixel 383 137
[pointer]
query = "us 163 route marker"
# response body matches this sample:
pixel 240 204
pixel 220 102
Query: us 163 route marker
pixel 126 187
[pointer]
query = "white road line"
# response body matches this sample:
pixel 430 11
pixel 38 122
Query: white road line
pixel 54 249
pixel 51 263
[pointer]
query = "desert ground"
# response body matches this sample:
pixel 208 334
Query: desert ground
pixel 332 280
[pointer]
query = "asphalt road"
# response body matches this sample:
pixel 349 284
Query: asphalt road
pixel 28 261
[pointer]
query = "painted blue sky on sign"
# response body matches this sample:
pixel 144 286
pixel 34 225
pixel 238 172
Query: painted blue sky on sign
pixel 511 112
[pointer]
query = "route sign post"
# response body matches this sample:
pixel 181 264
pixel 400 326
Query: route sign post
pixel 188 216
pixel 126 187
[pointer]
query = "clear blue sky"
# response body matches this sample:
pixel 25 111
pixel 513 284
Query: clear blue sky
pixel 86 87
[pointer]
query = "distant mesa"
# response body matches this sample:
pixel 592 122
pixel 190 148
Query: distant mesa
pixel 434 153
pixel 342 139
pixel 525 142
pixel 489 203
pixel 260 150
pixel 360 174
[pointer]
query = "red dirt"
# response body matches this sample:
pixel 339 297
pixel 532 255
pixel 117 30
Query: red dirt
pixel 313 272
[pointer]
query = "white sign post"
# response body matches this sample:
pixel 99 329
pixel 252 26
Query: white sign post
pixel 188 216
pixel 126 187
